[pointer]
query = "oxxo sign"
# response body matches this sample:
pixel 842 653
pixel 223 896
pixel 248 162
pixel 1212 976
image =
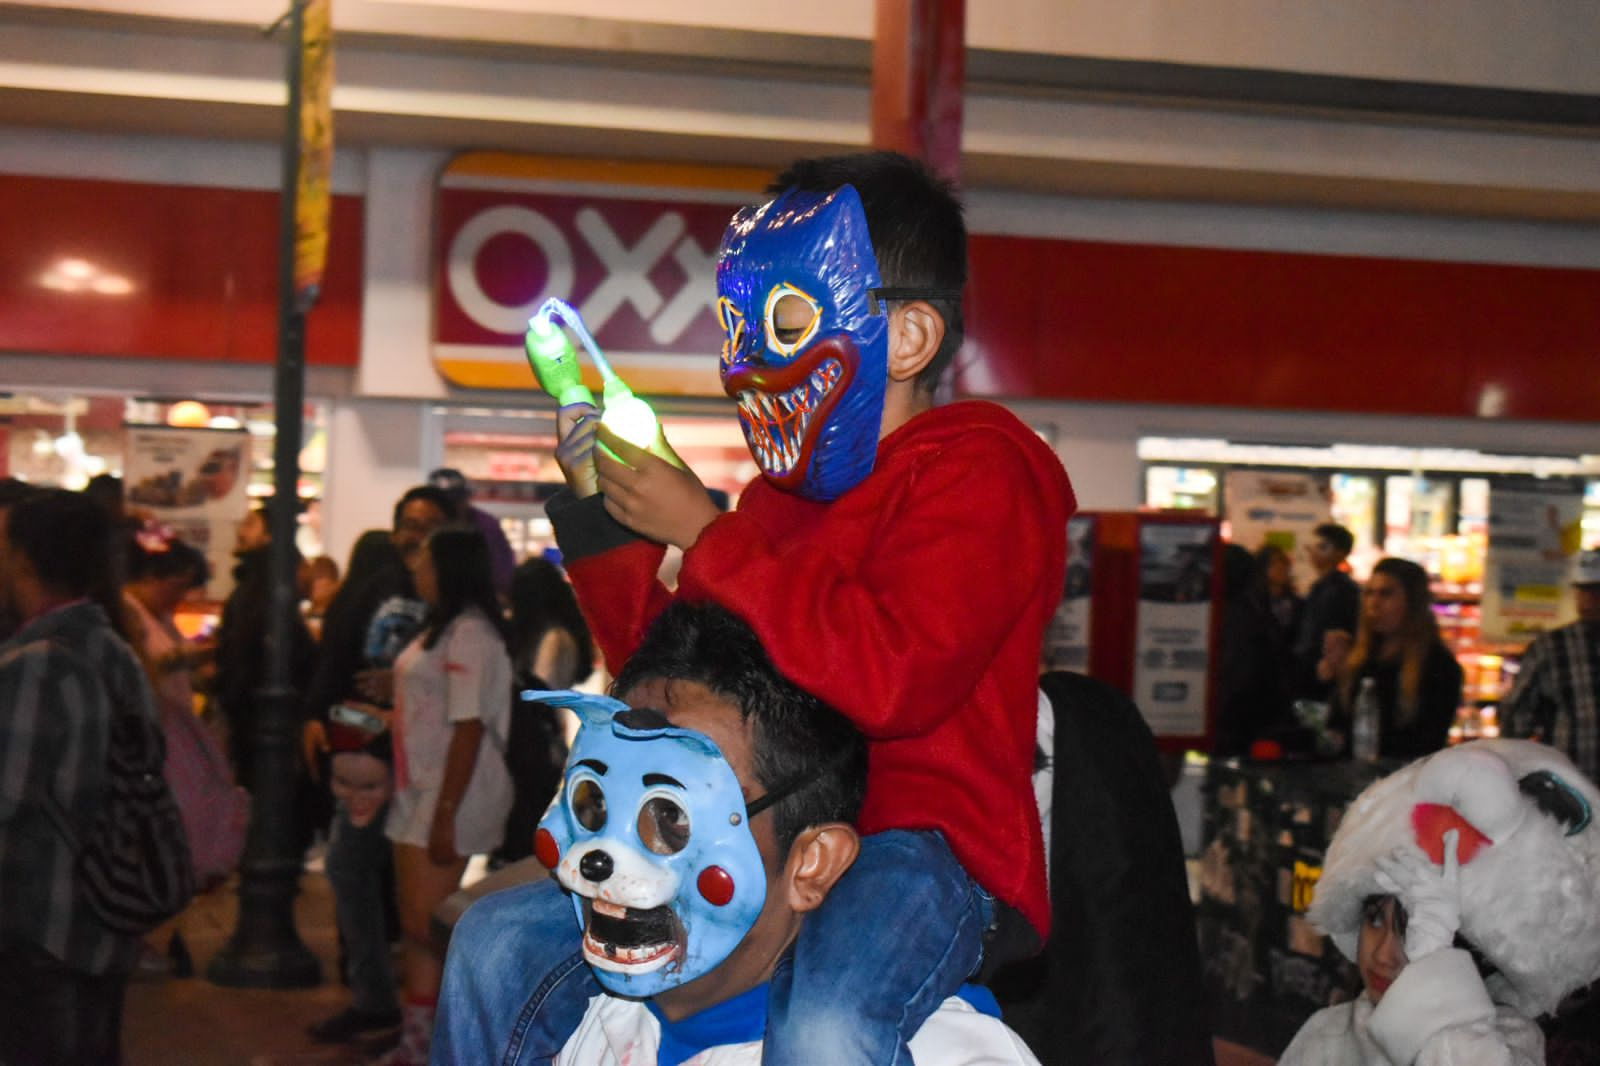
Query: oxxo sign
pixel 638 260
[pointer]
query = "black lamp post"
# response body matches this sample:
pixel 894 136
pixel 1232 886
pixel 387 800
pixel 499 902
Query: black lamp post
pixel 265 950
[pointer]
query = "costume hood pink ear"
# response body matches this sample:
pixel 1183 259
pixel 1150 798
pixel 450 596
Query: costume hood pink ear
pixel 1530 869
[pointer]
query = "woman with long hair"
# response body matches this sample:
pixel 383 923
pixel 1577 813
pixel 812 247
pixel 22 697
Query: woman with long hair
pixel 452 790
pixel 1397 645
pixel 550 649
pixel 549 639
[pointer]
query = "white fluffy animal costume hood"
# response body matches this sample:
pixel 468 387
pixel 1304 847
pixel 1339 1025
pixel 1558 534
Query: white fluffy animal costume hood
pixel 1529 851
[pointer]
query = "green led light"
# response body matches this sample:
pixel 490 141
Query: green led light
pixel 554 362
pixel 630 418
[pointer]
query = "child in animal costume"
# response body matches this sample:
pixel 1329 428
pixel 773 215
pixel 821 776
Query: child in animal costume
pixel 1467 888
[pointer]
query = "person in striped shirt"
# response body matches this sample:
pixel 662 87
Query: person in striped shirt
pixel 62 973
pixel 1556 698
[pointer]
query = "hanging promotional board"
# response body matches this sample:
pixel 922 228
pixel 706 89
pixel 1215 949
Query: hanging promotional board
pixel 1278 508
pixel 1173 626
pixel 1534 535
pixel 194 482
pixel 1066 641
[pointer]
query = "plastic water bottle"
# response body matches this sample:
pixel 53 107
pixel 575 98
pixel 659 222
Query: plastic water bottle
pixel 1365 727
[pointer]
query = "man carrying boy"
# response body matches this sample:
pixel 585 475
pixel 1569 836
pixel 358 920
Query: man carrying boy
pixel 697 834
pixel 899 561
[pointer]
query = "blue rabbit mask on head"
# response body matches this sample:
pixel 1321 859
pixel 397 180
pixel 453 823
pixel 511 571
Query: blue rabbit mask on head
pixel 650 835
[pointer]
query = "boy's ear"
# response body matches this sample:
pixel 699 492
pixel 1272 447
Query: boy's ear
pixel 916 331
pixel 819 857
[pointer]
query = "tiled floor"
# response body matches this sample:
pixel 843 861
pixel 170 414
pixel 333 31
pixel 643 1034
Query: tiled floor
pixel 192 1022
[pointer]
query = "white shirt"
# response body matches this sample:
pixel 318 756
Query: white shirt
pixel 465 676
pixel 623 1032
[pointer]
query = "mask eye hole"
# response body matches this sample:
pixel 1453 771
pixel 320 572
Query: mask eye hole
pixel 588 802
pixel 663 824
pixel 792 318
pixel 731 320
pixel 1558 799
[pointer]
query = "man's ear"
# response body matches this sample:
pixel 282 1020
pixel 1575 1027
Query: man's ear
pixel 819 857
pixel 916 331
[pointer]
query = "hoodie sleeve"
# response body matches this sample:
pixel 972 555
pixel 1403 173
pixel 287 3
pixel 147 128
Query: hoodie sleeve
pixel 1438 1013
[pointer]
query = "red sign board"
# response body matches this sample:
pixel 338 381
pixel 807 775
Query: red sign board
pixel 635 256
pixel 1088 320
pixel 125 269
pixel 632 246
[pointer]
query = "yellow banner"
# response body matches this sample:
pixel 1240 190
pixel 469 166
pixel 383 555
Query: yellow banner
pixel 313 199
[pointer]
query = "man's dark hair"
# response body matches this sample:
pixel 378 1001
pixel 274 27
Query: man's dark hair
pixel 428 493
pixel 917 230
pixel 798 738
pixel 171 558
pixel 1340 538
pixel 68 539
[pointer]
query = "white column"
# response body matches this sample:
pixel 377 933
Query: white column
pixel 377 449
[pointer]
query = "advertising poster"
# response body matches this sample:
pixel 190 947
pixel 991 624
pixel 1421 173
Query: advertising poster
pixel 1172 641
pixel 1534 534
pixel 1066 641
pixel 195 482
pixel 1278 508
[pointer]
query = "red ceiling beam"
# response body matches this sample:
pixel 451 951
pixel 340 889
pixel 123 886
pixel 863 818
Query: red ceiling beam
pixel 918 74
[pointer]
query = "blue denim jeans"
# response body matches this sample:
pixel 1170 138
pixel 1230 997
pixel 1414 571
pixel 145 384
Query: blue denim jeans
pixel 895 938
pixel 515 983
pixel 357 859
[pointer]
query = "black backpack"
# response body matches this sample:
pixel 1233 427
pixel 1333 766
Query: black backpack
pixel 133 869
pixel 536 755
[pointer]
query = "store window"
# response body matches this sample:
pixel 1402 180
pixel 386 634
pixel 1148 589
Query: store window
pixel 64 440
pixel 1433 506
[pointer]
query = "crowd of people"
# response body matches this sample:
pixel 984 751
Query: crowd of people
pixel 409 713
pixel 808 827
pixel 1278 649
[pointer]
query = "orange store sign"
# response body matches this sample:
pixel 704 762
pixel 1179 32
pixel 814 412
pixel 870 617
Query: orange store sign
pixel 633 247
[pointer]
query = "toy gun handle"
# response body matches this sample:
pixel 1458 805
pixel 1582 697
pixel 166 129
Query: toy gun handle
pixel 555 362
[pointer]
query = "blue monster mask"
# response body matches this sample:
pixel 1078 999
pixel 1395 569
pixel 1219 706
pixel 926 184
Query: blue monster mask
pixel 807 349
pixel 651 837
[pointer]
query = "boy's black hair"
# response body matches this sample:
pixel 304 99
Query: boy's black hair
pixel 917 230
pixel 438 497
pixel 798 738
pixel 1339 537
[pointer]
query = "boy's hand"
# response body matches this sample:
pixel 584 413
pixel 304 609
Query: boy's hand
pixel 576 424
pixel 651 496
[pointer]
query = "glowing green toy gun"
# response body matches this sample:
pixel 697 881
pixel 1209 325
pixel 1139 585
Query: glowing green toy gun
pixel 555 364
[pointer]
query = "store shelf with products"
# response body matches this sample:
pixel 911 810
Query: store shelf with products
pixel 1432 506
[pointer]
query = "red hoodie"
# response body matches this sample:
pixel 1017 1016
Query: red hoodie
pixel 915 604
